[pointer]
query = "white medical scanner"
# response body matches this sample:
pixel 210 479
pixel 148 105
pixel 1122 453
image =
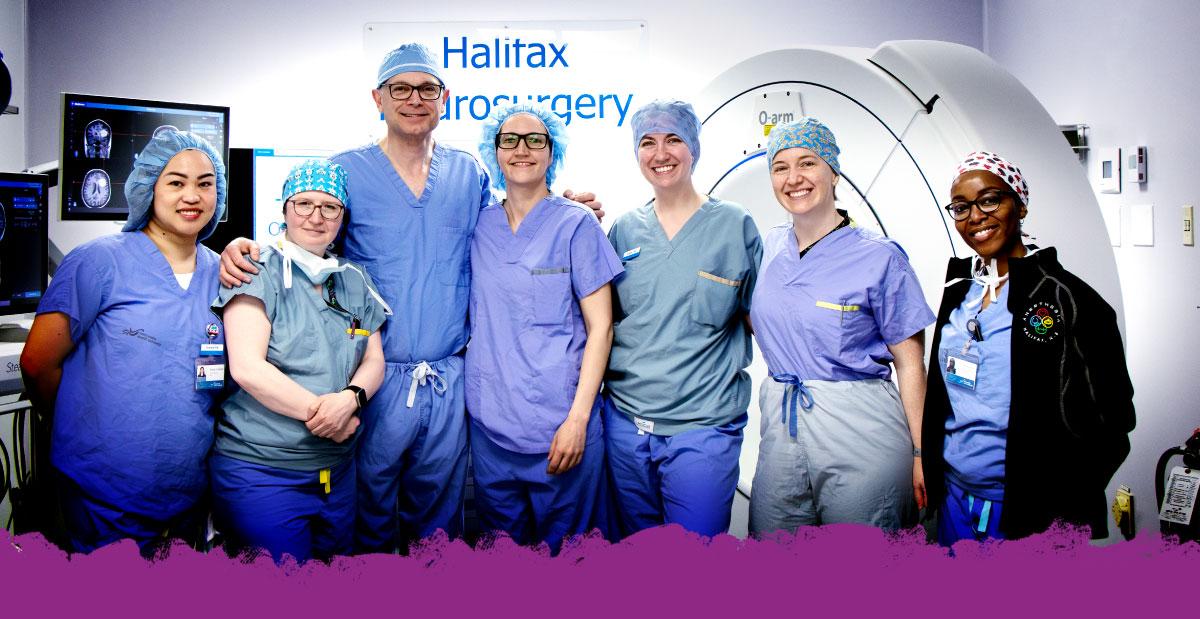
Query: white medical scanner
pixel 904 115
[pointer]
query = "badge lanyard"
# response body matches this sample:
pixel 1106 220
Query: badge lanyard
pixel 210 364
pixel 355 324
pixel 962 369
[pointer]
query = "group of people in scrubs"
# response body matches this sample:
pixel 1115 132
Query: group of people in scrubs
pixel 594 382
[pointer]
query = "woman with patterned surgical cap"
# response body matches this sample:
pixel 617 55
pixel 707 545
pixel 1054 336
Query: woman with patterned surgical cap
pixel 541 328
pixel 116 352
pixel 677 387
pixel 306 353
pixel 835 309
pixel 1029 401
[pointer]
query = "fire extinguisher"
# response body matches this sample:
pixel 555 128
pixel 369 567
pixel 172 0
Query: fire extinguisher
pixel 1178 501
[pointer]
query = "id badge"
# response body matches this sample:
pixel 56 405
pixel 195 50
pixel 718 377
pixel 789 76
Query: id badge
pixel 210 367
pixel 962 369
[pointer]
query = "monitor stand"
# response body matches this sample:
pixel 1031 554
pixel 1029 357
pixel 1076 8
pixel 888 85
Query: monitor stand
pixel 13 332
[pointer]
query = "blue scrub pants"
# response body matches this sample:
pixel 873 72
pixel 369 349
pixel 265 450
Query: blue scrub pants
pixel 283 511
pixel 688 478
pixel 515 494
pixel 412 462
pixel 92 523
pixel 963 516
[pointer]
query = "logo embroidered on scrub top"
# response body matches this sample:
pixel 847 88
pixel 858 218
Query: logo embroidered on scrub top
pixel 141 335
pixel 1042 322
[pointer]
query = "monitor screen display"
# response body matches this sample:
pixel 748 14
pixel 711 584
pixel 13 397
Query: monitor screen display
pixel 101 136
pixel 23 241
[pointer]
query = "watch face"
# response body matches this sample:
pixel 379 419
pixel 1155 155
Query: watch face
pixel 97 140
pixel 96 190
pixel 3 221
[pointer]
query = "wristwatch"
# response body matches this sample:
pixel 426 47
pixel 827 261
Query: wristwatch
pixel 360 395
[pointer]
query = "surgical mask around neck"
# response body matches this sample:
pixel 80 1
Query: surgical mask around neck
pixel 316 268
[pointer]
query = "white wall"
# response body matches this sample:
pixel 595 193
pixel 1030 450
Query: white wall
pixel 291 70
pixel 12 44
pixel 1128 69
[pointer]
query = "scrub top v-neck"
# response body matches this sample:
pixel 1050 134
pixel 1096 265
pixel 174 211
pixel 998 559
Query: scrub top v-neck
pixel 416 247
pixel 680 347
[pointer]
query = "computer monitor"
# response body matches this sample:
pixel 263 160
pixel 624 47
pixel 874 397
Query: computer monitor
pixel 101 136
pixel 23 241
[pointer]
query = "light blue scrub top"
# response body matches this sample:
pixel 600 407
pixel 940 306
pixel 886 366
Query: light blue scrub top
pixel 680 346
pixel 310 345
pixel 527 331
pixel 832 314
pixel 416 247
pixel 977 428
pixel 129 425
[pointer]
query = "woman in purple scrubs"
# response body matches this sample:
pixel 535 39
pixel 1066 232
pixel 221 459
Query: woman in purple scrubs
pixel 835 308
pixel 541 329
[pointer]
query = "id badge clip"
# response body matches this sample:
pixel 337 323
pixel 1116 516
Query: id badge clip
pixel 962 368
pixel 210 367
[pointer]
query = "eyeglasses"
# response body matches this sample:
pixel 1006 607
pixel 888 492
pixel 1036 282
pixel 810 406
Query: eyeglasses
pixel 987 203
pixel 535 141
pixel 330 211
pixel 401 91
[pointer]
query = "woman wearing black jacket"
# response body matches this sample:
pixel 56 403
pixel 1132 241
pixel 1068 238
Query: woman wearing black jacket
pixel 1029 402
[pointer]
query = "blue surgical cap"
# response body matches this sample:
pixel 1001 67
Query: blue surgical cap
pixel 808 132
pixel 668 117
pixel 139 189
pixel 408 57
pixel 491 127
pixel 317 175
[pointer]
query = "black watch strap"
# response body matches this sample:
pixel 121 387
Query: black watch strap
pixel 360 395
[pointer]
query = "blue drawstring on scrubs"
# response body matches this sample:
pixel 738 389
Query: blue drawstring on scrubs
pixel 795 390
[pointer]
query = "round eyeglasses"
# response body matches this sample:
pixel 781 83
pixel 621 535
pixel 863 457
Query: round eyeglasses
pixel 987 203
pixel 330 211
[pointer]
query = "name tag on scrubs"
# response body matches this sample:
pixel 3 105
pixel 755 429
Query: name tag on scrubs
pixel 962 369
pixel 631 254
pixel 210 367
pixel 643 425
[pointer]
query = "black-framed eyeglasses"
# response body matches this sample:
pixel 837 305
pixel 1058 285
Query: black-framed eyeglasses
pixel 330 211
pixel 401 91
pixel 535 141
pixel 987 203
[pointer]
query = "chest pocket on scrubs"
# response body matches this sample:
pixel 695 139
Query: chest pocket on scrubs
pixel 840 325
pixel 453 260
pixel 551 295
pixel 714 298
pixel 630 293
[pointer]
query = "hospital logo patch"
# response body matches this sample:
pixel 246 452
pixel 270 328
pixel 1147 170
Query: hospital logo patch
pixel 1042 322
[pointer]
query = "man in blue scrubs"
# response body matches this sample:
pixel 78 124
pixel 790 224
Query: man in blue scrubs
pixel 415 206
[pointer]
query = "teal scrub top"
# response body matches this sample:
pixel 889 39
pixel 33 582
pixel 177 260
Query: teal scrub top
pixel 680 344
pixel 309 343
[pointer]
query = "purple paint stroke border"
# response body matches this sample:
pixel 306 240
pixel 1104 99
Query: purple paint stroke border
pixel 839 570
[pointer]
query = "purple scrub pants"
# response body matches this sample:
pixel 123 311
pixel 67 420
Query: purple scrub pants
pixel 687 479
pixel 284 511
pixel 515 494
pixel 412 462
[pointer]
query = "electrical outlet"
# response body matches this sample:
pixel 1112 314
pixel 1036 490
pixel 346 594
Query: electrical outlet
pixel 1189 226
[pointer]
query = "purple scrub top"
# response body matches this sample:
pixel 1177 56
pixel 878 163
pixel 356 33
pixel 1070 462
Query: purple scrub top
pixel 832 314
pixel 527 332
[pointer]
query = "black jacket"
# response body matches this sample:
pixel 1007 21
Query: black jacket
pixel 1072 402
